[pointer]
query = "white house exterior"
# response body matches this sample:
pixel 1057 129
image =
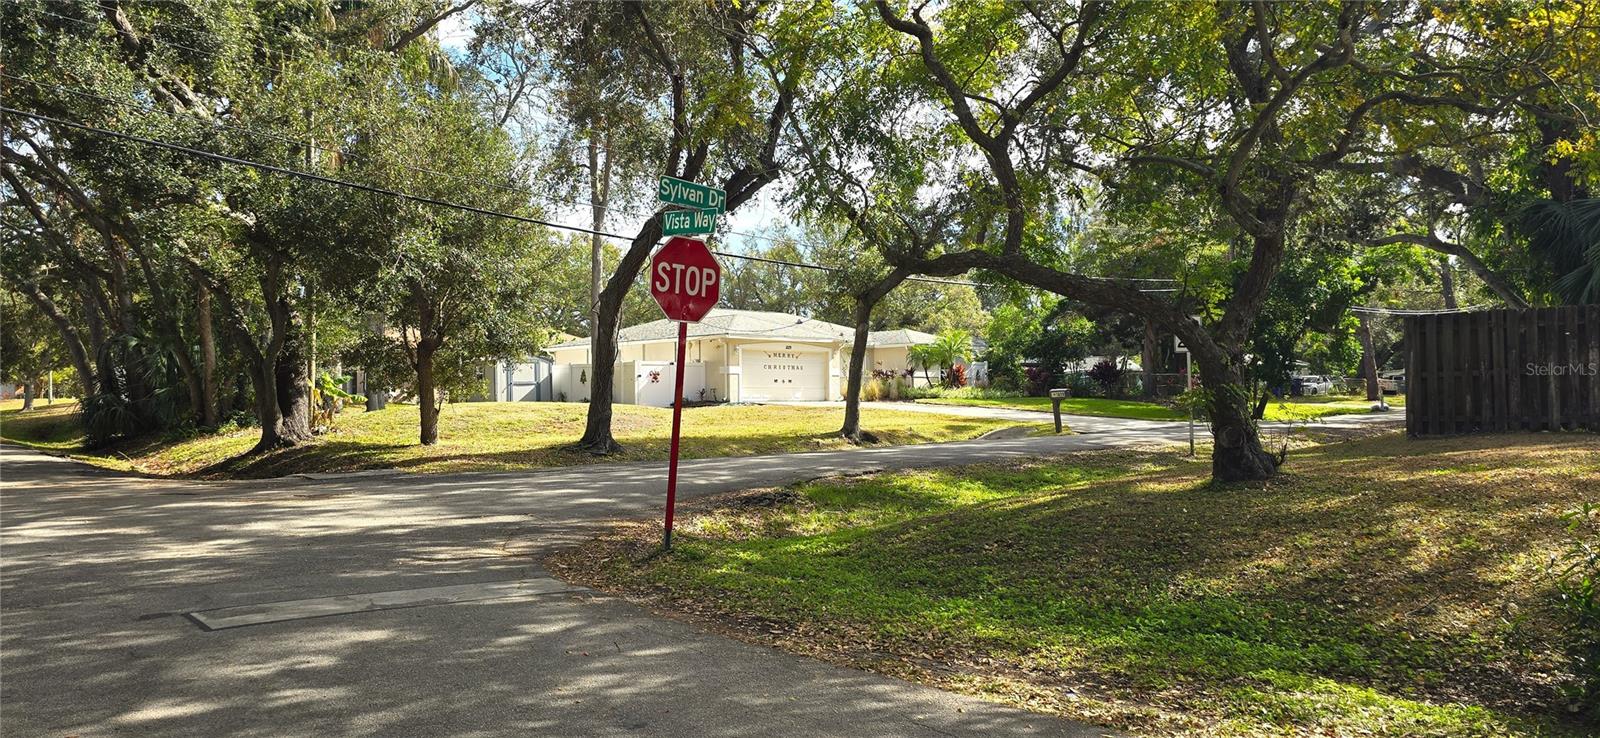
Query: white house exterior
pixel 733 356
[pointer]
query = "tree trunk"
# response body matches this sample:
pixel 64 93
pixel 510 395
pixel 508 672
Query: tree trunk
pixel 427 396
pixel 69 335
pixel 1447 284
pixel 597 438
pixel 866 300
pixel 1236 455
pixel 27 396
pixel 293 393
pixel 1148 360
pixel 1369 358
pixel 599 193
pixel 264 376
pixel 377 395
pixel 851 431
pixel 192 382
pixel 208 360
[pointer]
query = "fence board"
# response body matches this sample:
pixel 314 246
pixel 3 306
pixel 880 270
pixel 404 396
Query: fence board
pixel 1532 369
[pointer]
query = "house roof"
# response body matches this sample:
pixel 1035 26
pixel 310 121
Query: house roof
pixel 757 324
pixel 727 322
pixel 899 337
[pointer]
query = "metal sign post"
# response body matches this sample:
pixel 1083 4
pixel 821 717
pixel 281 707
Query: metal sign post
pixel 1188 378
pixel 686 281
pixel 677 423
pixel 1188 381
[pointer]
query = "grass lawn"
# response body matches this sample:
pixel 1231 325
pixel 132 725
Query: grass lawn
pixel 1097 406
pixel 1378 587
pixel 493 436
pixel 1298 408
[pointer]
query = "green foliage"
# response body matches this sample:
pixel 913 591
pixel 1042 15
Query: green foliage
pixel 1267 613
pixel 29 344
pixel 1575 572
pixel 1108 375
pixel 1568 236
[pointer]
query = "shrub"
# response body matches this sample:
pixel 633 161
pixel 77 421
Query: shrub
pixel 871 390
pixel 1575 570
pixel 1040 380
pixel 958 376
pixel 1108 375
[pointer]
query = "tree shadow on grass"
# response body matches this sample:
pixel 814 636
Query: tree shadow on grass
pixel 1406 566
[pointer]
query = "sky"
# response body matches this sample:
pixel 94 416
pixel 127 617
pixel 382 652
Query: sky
pixel 759 215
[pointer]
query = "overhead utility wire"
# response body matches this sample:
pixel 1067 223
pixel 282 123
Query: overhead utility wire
pixel 527 191
pixel 201 153
pixel 610 208
pixel 1408 311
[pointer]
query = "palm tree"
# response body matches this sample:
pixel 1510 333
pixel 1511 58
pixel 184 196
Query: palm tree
pixel 950 348
pixel 1567 234
pixel 922 356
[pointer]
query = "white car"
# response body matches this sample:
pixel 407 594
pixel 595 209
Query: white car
pixel 1313 384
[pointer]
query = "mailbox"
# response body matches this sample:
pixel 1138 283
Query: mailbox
pixel 1056 396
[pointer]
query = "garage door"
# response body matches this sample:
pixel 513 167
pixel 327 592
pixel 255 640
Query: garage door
pixel 784 375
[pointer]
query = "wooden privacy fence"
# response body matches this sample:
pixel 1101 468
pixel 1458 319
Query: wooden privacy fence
pixel 1497 370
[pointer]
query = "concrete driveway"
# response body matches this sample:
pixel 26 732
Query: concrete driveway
pixel 406 605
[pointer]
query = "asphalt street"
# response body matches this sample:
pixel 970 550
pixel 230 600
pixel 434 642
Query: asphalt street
pixel 401 605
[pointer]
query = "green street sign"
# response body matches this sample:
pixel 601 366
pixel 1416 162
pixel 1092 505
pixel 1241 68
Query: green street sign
pixel 675 191
pixel 686 222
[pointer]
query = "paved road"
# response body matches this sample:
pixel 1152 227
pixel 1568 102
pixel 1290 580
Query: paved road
pixel 100 572
pixel 1148 430
pixel 102 576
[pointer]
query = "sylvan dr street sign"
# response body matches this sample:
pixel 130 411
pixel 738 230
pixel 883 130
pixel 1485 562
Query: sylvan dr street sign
pixel 675 191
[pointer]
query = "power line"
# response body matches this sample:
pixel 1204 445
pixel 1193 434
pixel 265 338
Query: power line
pixel 96 24
pixel 527 191
pixel 294 172
pixel 1408 311
pixel 223 158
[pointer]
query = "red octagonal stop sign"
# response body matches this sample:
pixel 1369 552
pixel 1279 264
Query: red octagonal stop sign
pixel 685 279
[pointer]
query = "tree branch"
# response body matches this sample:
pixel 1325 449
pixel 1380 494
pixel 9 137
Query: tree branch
pixel 427 25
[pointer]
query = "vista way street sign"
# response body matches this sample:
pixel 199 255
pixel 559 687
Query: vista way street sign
pixel 675 191
pixel 684 222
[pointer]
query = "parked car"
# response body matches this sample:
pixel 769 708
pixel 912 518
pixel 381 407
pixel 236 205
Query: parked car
pixel 1392 382
pixel 1311 384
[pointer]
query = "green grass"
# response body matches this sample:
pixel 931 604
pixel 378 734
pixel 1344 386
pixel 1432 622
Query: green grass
pixel 1097 406
pixel 1378 587
pixel 50 428
pixel 1295 409
pixel 492 437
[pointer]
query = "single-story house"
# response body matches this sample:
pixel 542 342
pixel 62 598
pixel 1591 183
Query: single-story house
pixel 733 356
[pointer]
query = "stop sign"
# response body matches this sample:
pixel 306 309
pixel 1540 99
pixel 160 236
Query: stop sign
pixel 685 279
